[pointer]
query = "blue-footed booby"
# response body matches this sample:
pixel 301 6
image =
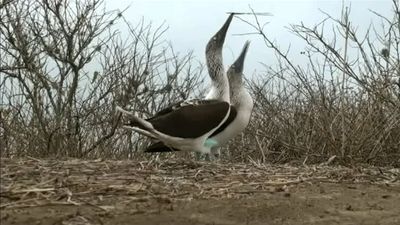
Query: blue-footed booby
pixel 187 125
pixel 240 99
pixel 241 102
pixel 214 61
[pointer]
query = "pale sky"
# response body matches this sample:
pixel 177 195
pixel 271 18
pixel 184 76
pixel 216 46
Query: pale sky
pixel 192 22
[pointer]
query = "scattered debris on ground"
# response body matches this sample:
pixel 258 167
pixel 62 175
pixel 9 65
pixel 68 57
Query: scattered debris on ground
pixel 95 192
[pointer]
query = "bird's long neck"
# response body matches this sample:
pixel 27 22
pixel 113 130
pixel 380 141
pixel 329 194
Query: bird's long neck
pixel 219 80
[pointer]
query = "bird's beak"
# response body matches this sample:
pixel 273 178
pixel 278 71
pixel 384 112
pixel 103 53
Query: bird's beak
pixel 239 63
pixel 221 34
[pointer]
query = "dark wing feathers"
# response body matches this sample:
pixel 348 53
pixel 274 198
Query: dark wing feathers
pixel 161 147
pixel 174 107
pixel 191 121
pixel 231 117
pixel 169 109
pixel 188 119
pixel 164 111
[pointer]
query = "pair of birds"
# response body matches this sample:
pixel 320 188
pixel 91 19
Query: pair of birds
pixel 202 125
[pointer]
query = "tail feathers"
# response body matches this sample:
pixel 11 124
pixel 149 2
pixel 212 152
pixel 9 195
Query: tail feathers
pixel 160 147
pixel 137 124
pixel 133 123
pixel 141 131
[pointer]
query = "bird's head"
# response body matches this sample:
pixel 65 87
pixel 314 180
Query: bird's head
pixel 217 41
pixel 235 71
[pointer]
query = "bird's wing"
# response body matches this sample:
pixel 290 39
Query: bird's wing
pixel 171 108
pixel 189 119
pixel 231 117
pixel 178 105
pixel 168 109
pixel 160 147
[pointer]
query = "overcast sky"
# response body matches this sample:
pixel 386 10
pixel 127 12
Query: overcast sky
pixel 192 22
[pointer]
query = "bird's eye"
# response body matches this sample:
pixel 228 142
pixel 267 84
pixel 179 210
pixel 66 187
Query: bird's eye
pixel 214 38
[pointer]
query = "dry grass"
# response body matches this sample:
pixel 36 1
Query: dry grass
pixel 32 182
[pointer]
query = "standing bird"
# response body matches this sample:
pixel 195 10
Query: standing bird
pixel 215 63
pixel 241 108
pixel 241 101
pixel 216 71
pixel 219 82
pixel 187 125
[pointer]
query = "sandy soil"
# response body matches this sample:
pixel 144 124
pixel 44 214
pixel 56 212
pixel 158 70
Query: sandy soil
pixel 76 192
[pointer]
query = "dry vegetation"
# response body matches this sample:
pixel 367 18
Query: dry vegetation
pixel 64 68
pixel 98 192
pixel 345 103
pixel 65 65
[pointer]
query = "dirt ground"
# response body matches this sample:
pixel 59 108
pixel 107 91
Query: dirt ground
pixel 76 192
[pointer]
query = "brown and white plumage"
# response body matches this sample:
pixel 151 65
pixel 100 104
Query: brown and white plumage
pixel 215 66
pixel 219 83
pixel 240 99
pixel 185 126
